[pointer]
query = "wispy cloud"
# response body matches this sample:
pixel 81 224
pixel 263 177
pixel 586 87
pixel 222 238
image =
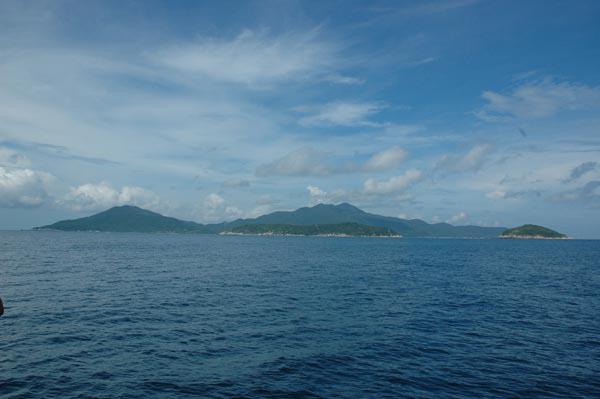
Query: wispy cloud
pixel 303 162
pixel 54 151
pixel 538 99
pixel 253 58
pixel 12 158
pixel 588 194
pixel 353 114
pixel 581 169
pixel 473 160
pixel 310 162
pixel 387 159
pixel 343 80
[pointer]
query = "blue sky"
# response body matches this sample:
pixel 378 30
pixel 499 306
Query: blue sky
pixel 472 112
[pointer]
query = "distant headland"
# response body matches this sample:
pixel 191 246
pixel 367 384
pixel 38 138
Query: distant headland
pixel 320 220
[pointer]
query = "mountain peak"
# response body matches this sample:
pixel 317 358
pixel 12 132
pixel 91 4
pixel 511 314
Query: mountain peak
pixel 343 206
pixel 127 218
pixel 347 206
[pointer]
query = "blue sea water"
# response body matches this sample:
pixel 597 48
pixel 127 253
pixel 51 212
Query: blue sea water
pixel 108 315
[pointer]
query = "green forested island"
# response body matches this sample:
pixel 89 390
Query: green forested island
pixel 337 230
pixel 532 231
pixel 129 218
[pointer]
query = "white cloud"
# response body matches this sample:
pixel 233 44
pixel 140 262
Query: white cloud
pixel 303 162
pixel 215 209
pixel 408 216
pixel 392 185
pixel 387 159
pixel 310 162
pixel 471 161
pixel 422 61
pixel 259 210
pixel 538 99
pixel 496 194
pixel 253 58
pixel 316 195
pixel 23 188
pixel 213 201
pixel 233 212
pixel 353 114
pixel 459 217
pixel 92 197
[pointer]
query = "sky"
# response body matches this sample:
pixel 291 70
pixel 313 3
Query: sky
pixel 461 111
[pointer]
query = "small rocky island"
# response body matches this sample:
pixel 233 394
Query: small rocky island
pixel 532 231
pixel 322 230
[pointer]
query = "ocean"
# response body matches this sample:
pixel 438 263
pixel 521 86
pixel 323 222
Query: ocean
pixel 107 315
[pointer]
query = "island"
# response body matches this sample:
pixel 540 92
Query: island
pixel 321 230
pixel 532 231
pixel 132 219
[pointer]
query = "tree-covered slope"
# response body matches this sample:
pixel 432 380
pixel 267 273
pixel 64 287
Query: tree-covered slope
pixel 341 229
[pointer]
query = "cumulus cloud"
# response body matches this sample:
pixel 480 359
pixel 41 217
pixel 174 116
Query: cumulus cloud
pixel 92 197
pixel 23 188
pixel 372 190
pixel 459 217
pixel 394 184
pixel 581 170
pixel 252 58
pixel 352 114
pixel 310 162
pixel 471 161
pixel 539 99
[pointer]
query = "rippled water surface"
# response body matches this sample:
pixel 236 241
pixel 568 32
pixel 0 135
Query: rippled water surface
pixel 159 316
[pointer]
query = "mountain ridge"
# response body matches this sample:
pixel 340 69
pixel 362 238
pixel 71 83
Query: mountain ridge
pixel 129 218
pixel 348 213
